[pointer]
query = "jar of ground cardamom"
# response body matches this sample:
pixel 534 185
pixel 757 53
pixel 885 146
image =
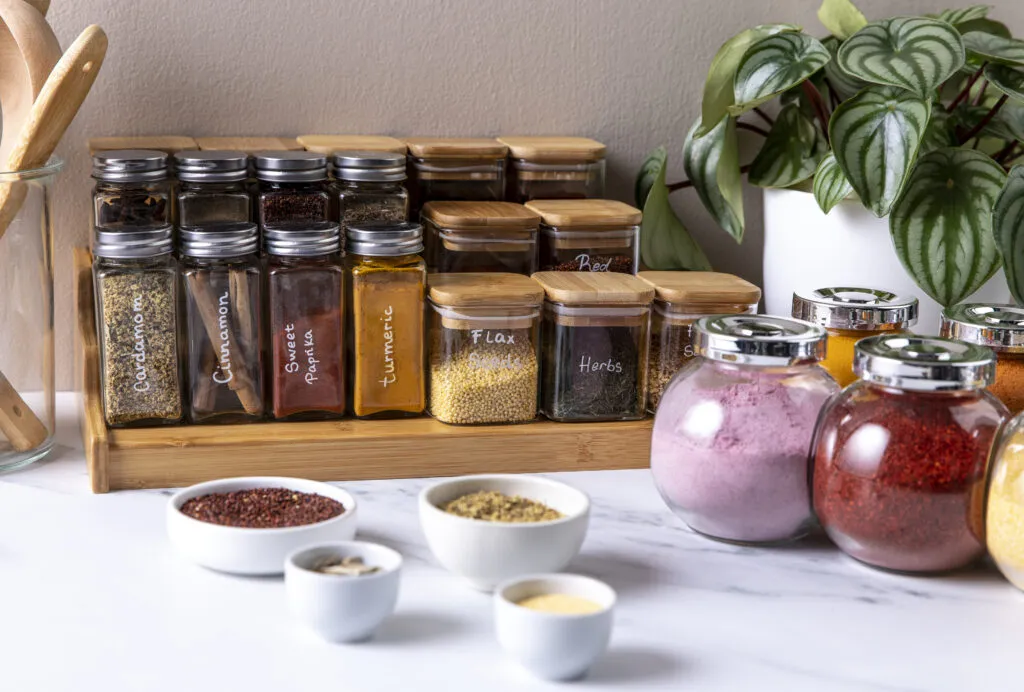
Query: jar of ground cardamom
pixel 1001 328
pixel 484 363
pixel 455 168
pixel 480 237
pixel 554 168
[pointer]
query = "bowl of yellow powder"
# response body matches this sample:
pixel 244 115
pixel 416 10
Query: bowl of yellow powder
pixel 490 528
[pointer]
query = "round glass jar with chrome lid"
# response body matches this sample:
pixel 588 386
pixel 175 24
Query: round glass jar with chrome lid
pixel 850 314
pixel 368 186
pixel 1001 328
pixel 132 189
pixel 900 456
pixel 292 187
pixel 733 431
pixel 212 187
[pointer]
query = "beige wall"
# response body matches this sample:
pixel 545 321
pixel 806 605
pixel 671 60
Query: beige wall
pixel 627 72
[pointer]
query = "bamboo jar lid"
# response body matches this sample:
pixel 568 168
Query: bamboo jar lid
pixel 594 288
pixel 591 213
pixel 465 215
pixel 478 289
pixel 250 145
pixel 169 144
pixel 455 147
pixel 328 144
pixel 551 149
pixel 701 288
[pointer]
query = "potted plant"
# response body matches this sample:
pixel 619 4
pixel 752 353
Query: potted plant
pixel 892 143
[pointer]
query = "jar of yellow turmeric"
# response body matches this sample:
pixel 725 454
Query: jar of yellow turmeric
pixel 849 314
pixel 1001 328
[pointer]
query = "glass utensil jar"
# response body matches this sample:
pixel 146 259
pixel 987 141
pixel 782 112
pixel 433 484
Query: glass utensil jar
pixel 27 396
pixel 368 186
pixel 900 457
pixel 588 235
pixel 132 189
pixel 443 169
pixel 554 168
pixel 292 187
pixel 1001 328
pixel 850 314
pixel 480 237
pixel 212 188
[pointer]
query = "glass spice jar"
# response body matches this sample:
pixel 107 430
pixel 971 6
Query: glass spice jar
pixel 1004 514
pixel 900 457
pixel 484 347
pixel 212 188
pixel 132 189
pixel 136 279
pixel 588 235
pixel 223 323
pixel 680 299
pixel 368 186
pixel 386 289
pixel 1001 328
pixel 305 298
pixel 850 314
pixel 328 144
pixel 732 435
pixel 446 168
pixel 480 237
pixel 554 168
pixel 292 187
pixel 594 340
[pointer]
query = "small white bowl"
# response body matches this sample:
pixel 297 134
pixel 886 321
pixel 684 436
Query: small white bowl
pixel 339 608
pixel 249 551
pixel 549 645
pixel 487 553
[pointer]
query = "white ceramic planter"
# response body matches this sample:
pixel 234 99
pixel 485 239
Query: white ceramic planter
pixel 805 249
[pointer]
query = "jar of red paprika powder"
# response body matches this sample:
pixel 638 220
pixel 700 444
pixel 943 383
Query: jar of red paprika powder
pixel 900 457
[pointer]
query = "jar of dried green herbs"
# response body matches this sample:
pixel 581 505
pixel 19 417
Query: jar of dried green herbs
pixel 594 342
pixel 135 274
pixel 368 186
pixel 212 188
pixel 132 189
pixel 292 187
pixel 484 341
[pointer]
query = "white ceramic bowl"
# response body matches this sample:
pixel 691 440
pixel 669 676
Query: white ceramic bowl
pixel 338 608
pixel 487 553
pixel 253 551
pixel 552 646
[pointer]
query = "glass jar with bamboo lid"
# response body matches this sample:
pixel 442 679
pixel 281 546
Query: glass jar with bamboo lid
pixel 680 299
pixel 328 144
pixel 480 237
pixel 454 168
pixel 594 341
pixel 589 235
pixel 554 168
pixel 1001 328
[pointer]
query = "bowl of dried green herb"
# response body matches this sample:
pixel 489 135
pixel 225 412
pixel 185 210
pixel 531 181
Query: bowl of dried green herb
pixel 490 528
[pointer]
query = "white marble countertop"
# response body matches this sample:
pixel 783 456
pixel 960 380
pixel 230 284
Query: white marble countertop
pixel 92 597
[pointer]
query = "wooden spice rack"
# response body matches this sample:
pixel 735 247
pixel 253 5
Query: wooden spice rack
pixel 330 451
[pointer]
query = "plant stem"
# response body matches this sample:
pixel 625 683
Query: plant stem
pixel 683 184
pixel 1005 152
pixel 753 128
pixel 967 89
pixel 820 109
pixel 981 93
pixel 976 130
pixel 764 116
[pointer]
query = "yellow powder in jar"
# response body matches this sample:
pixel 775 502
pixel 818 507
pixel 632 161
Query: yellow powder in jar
pixel 839 356
pixel 1004 528
pixel 560 604
pixel 1009 384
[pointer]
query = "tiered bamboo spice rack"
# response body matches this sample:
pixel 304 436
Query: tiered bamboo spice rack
pixel 126 458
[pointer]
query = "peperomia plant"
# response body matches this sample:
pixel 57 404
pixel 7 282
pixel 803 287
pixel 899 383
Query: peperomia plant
pixel 917 117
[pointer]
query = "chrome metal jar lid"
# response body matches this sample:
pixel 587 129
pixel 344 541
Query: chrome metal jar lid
pixel 130 166
pixel 384 238
pixel 1000 327
pixel 291 166
pixel 759 340
pixel 224 166
pixel 855 308
pixel 309 239
pixel 219 240
pixel 369 166
pixel 924 363
pixel 133 242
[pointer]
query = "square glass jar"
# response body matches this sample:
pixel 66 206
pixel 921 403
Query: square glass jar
pixel 212 188
pixel 589 235
pixel 594 343
pixel 480 237
pixel 484 339
pixel 328 144
pixel 445 169
pixel 554 168
pixel 133 189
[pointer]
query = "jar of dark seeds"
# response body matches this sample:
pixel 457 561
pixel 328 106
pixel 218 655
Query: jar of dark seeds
pixel 132 189
pixel 223 323
pixel 368 186
pixel 480 237
pixel 136 300
pixel 292 187
pixel 588 235
pixel 212 188
pixel 554 168
pixel 594 341
pixel 455 168
pixel 484 347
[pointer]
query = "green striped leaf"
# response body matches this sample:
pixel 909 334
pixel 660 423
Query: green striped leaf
pixel 775 64
pixel 942 224
pixel 664 241
pixel 841 17
pixel 1008 226
pixel 791 152
pixel 913 53
pixel 992 48
pixel 712 165
pixel 830 184
pixel 963 14
pixel 1006 79
pixel 988 26
pixel 1009 122
pixel 718 89
pixel 875 137
pixel 844 84
pixel 647 174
